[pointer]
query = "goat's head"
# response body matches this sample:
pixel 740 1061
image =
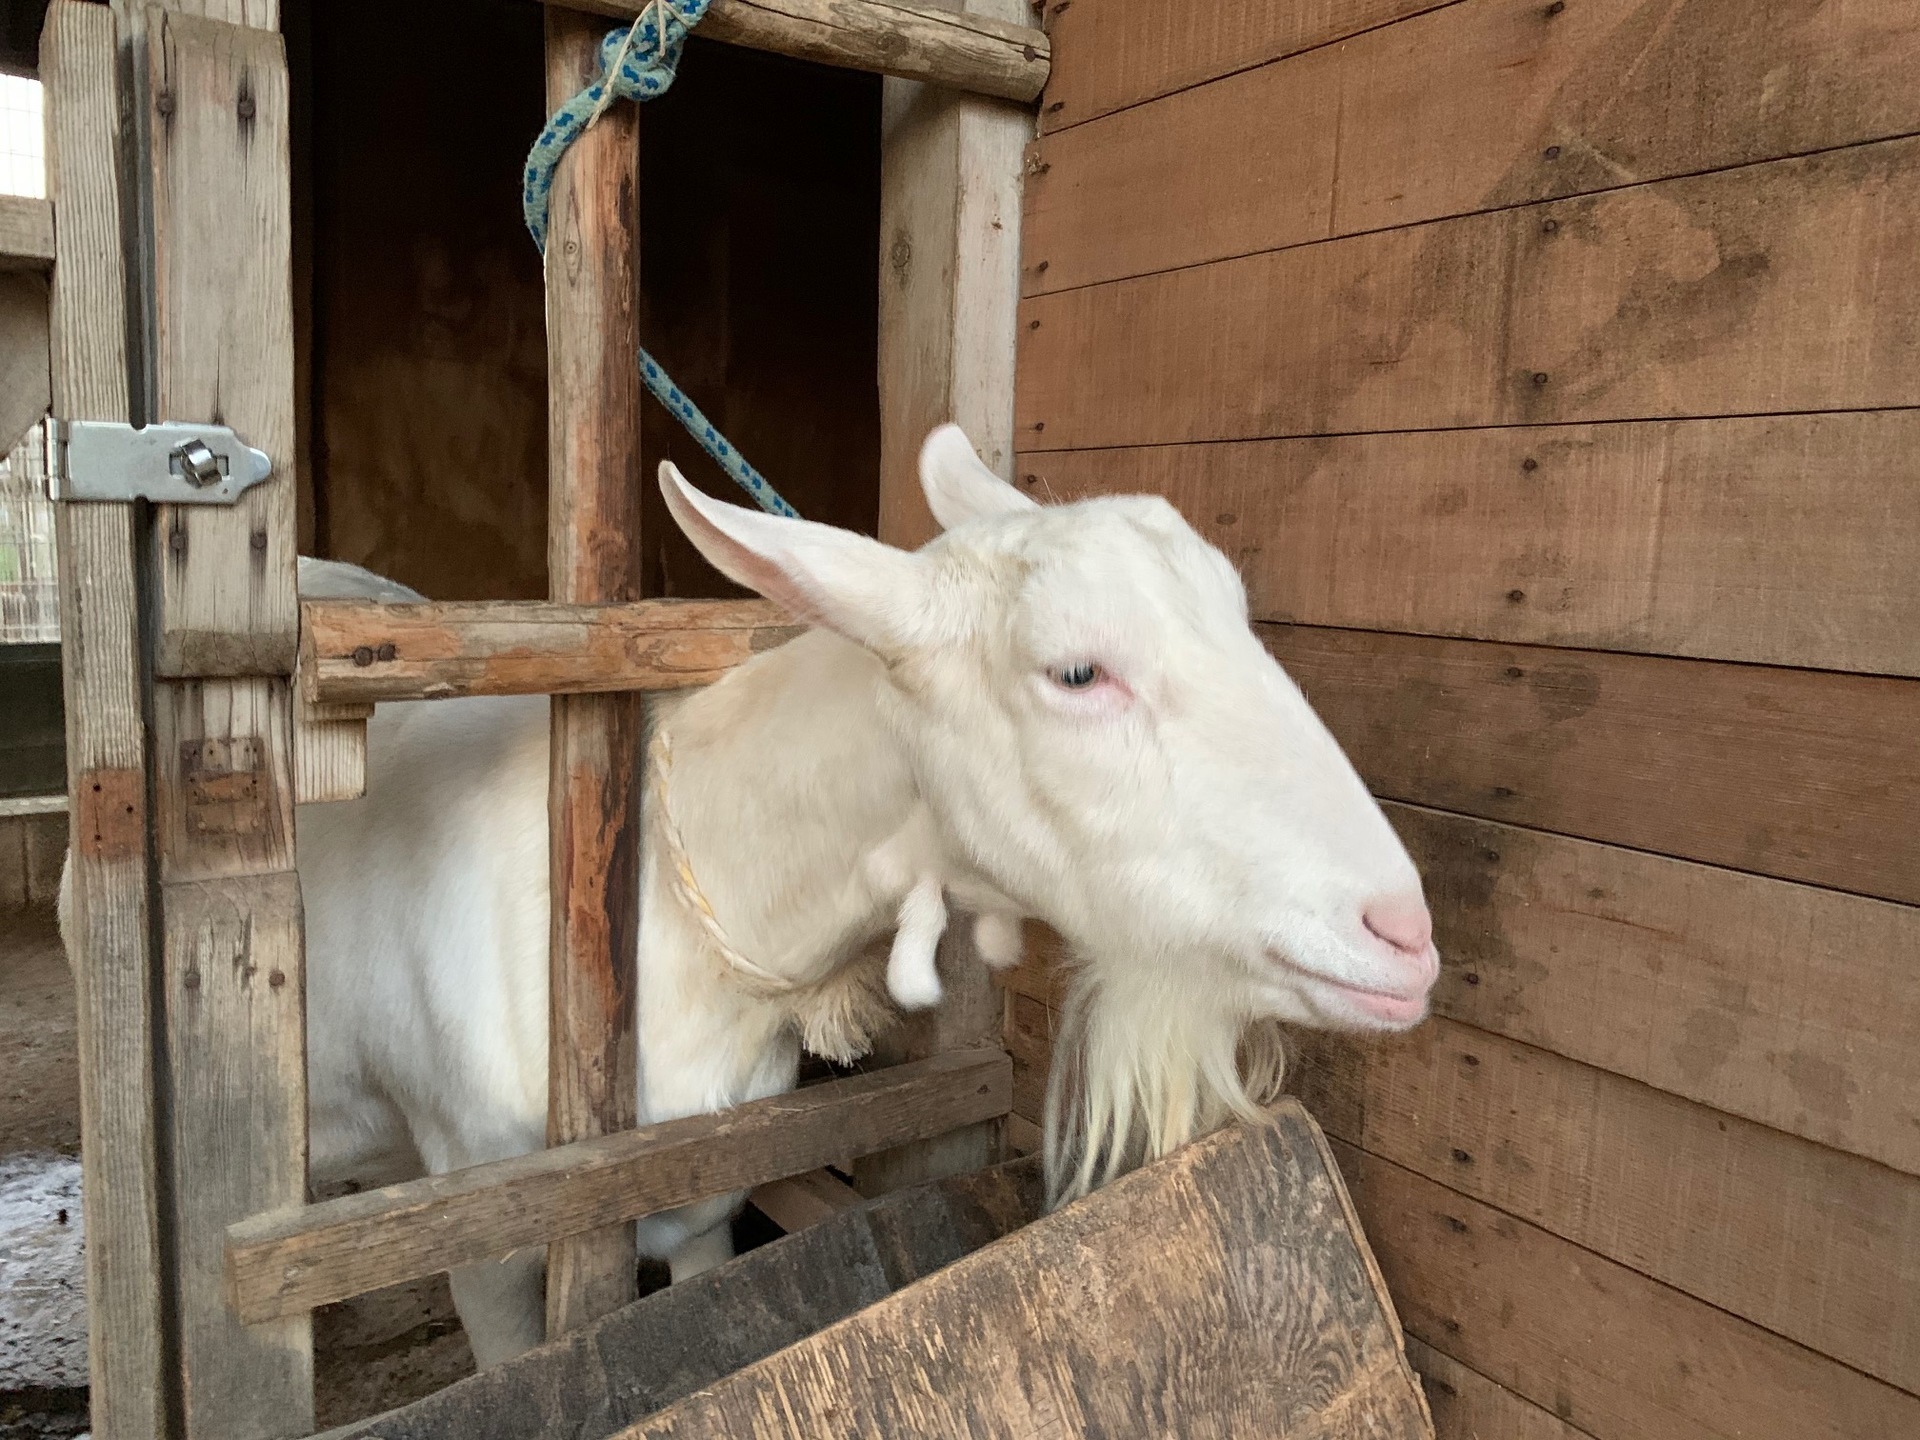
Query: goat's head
pixel 1101 734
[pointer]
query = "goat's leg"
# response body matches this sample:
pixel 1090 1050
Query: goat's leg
pixel 502 1304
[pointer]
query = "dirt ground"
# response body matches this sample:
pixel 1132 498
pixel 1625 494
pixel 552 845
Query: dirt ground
pixel 370 1354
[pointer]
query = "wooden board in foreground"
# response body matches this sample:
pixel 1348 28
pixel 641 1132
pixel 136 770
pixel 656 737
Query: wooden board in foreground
pixel 1225 1291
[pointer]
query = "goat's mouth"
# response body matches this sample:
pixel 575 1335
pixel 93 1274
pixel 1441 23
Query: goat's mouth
pixel 1370 1007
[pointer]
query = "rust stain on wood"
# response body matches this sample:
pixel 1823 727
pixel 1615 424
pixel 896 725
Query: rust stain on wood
pixel 110 814
pixel 226 785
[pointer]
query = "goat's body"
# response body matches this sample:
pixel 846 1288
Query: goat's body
pixel 427 909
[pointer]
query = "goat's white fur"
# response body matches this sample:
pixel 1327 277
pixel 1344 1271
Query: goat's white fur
pixel 1186 823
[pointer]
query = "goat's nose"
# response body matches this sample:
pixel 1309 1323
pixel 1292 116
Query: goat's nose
pixel 1405 923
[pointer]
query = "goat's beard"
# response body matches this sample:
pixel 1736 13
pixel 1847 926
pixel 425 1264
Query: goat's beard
pixel 1141 1066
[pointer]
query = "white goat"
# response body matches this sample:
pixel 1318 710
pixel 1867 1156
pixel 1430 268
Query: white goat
pixel 1060 713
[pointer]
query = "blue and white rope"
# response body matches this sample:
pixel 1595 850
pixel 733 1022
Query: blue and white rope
pixel 637 63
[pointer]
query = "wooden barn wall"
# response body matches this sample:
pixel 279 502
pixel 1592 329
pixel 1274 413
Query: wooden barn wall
pixel 422 311
pixel 1553 374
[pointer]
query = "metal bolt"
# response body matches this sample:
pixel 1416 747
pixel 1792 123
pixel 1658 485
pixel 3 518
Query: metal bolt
pixel 1516 596
pixel 1550 227
pixel 1472 977
pixel 277 978
pixel 192 979
pixel 258 540
pixel 164 102
pixel 1553 152
pixel 1529 464
pixel 363 655
pixel 386 651
pixel 1539 377
pixel 199 466
pixel 1033 325
pixel 245 107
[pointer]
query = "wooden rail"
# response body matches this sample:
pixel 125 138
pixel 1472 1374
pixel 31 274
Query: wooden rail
pixel 357 652
pixel 285 1263
pixel 26 233
pixel 912 42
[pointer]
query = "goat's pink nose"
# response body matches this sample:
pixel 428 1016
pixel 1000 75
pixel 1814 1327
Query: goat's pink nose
pixel 1402 921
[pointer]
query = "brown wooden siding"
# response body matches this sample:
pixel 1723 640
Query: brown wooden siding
pixel 1553 376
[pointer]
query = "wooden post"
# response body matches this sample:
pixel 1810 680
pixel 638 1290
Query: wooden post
pixel 107 800
pixel 210 166
pixel 949 288
pixel 593 553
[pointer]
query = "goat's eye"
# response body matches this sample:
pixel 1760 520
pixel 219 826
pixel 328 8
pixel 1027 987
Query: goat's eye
pixel 1077 677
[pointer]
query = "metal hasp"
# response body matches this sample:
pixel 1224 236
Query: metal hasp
pixel 168 463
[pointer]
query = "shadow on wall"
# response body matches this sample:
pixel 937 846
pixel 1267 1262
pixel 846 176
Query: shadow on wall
pixel 423 306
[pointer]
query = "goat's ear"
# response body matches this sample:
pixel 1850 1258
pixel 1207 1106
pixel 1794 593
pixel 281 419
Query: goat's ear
pixel 958 486
pixel 869 592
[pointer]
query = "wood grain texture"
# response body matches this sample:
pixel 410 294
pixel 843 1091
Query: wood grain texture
pixel 212 111
pixel 1254 1311
pixel 949 280
pixel 329 760
pixel 594 475
pixel 1788 540
pixel 1607 1350
pixel 26 233
pixel 107 784
pixel 1771 288
pixel 1468 1406
pixel 352 652
pixel 1116 53
pixel 287 1263
pixel 25 363
pixel 1812 1244
pixel 1793 773
pixel 1476 106
pixel 1786 1004
pixel 978 53
pixel 803 1200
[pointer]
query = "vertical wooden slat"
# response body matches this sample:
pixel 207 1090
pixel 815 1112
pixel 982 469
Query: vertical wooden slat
pixel 106 748
pixel 949 292
pixel 593 551
pixel 211 164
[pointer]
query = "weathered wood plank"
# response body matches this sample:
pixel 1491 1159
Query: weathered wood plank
pixel 212 112
pixel 1604 1348
pixel 949 291
pixel 1468 1406
pixel 1780 287
pixel 285 1263
pixel 1804 775
pixel 352 652
pixel 26 232
pixel 25 356
pixel 1788 540
pixel 1116 53
pixel 803 1200
pixel 1252 1310
pixel 1812 1244
pixel 109 937
pixel 594 480
pixel 1476 106
pixel 970 52
pixel 1783 1003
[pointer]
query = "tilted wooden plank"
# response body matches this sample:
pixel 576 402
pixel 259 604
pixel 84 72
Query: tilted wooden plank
pixel 1806 775
pixel 26 232
pixel 1604 1162
pixel 1784 1003
pixel 1606 1349
pixel 25 355
pixel 1785 540
pixel 802 1200
pixel 109 932
pixel 1475 106
pixel 352 652
pixel 593 556
pixel 1116 53
pixel 1468 1406
pixel 1789 286
pixel 1224 1290
pixel 286 1263
pixel 210 157
pixel 915 42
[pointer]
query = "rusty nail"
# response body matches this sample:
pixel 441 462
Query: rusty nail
pixel 1516 596
pixel 1029 52
pixel 1514 672
pixel 192 980
pixel 1539 377
pixel 1056 107
pixel 1039 425
pixel 1472 1059
pixel 1550 227
pixel 1556 7
pixel 1472 977
pixel 245 107
pixel 363 655
pixel 1462 1157
pixel 1492 857
pixel 1033 325
pixel 1529 464
pixel 1553 152
pixel 177 541
pixel 386 651
pixel 277 978
pixel 1041 268
pixel 164 102
pixel 258 540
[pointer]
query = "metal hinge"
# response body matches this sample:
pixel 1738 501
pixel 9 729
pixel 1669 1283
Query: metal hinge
pixel 168 463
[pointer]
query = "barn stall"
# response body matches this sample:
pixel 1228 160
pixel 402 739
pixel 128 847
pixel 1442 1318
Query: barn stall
pixel 1543 369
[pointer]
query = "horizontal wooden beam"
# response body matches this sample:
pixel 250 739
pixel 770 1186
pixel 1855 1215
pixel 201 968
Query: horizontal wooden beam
pixel 26 233
pixel 362 652
pixel 914 42
pixel 287 1262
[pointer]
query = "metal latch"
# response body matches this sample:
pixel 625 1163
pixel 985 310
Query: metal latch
pixel 168 463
